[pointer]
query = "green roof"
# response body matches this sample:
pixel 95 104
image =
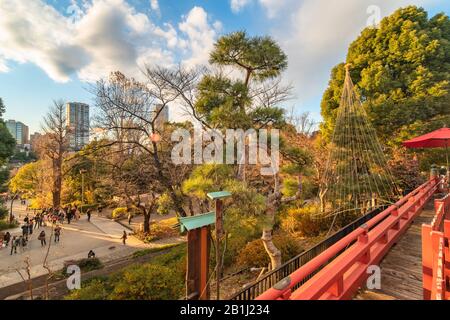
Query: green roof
pixel 197 221
pixel 218 195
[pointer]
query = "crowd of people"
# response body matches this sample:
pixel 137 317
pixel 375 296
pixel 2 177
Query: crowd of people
pixel 47 217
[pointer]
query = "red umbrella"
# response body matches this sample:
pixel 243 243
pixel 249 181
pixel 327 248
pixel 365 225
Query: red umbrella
pixel 439 138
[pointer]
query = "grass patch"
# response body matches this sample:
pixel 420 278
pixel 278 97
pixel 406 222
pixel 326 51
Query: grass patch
pixel 145 252
pixel 160 279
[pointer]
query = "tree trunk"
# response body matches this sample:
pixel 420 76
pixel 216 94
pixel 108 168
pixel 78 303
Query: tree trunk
pixel 271 249
pixel 147 215
pixel 11 216
pixel 267 234
pixel 57 182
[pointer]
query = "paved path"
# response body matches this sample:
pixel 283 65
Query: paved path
pixel 101 235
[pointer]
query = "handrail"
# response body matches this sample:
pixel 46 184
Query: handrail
pixel 436 253
pixel 340 278
pixel 269 279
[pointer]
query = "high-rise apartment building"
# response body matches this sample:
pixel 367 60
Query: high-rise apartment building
pixel 19 131
pixel 77 119
pixel 163 116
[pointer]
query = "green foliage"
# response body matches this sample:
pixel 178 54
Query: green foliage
pixel 207 178
pixel 402 73
pixel 4 212
pixel 241 229
pixel 259 55
pixel 147 282
pixel 225 102
pixel 161 279
pixel 165 203
pixel 303 221
pixel 306 221
pixel 7 143
pixel 26 179
pixel 4 176
pixel 2 109
pixel 162 229
pixel 4 225
pixel 89 264
pixel 254 254
pixel 94 289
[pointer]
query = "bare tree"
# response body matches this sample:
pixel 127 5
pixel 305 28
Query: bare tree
pixel 54 144
pixel 129 113
pixel 303 123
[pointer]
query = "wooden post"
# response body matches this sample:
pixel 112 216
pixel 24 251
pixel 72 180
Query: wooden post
pixel 427 261
pixel 205 244
pixel 197 287
pixel 217 197
pixel 219 231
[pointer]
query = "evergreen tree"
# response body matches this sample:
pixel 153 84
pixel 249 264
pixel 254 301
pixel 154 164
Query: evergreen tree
pixel 402 73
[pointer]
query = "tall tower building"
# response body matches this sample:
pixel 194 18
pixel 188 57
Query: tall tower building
pixel 77 119
pixel 19 131
pixel 163 116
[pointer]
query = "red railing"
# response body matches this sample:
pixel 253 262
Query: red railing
pixel 436 254
pixel 341 278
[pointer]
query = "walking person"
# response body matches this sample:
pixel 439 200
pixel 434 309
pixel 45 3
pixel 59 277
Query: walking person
pixel 7 238
pixel 57 233
pixel 130 216
pixel 14 243
pixel 23 243
pixel 25 229
pixel 124 237
pixel 88 213
pixel 77 214
pixel 30 226
pixel 42 238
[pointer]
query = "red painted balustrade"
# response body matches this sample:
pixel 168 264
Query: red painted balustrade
pixel 343 266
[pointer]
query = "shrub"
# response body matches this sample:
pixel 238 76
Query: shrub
pixel 160 230
pixel 119 212
pixel 241 230
pixel 89 264
pixel 3 212
pixel 303 221
pixel 148 282
pixel 163 278
pixel 254 254
pixel 4 225
pixel 94 289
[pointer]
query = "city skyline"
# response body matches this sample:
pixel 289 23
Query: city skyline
pixel 167 33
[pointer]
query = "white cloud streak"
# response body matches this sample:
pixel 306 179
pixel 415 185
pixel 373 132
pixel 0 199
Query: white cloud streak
pixel 98 37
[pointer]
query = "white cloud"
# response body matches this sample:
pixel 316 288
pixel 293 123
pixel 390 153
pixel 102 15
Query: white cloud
pixel 154 5
pixel 200 35
pixel 97 37
pixel 238 5
pixel 315 35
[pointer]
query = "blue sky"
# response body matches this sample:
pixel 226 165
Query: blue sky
pixel 53 49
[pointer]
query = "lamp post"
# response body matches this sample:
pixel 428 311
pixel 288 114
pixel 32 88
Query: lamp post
pixel 217 197
pixel 82 172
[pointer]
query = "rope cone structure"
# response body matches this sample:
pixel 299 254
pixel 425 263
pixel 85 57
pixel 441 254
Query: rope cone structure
pixel 357 179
